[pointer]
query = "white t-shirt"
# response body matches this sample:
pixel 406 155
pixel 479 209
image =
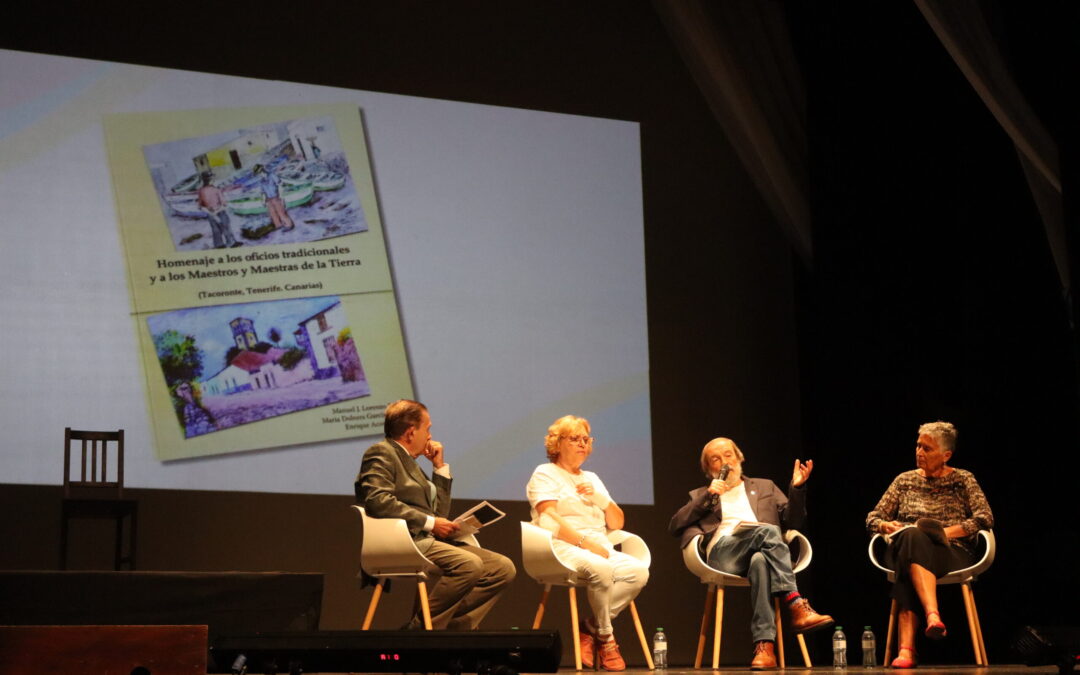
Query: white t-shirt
pixel 735 507
pixel 551 482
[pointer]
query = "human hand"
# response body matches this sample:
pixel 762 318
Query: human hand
pixel 434 452
pixel 801 472
pixel 444 528
pixel 955 532
pixel 889 526
pixel 718 487
pixel 594 547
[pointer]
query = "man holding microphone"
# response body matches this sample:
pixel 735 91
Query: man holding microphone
pixel 740 519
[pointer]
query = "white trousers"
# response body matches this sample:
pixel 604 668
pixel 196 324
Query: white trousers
pixel 612 582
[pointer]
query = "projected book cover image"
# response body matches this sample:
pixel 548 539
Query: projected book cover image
pixel 277 183
pixel 237 364
pixel 255 375
pixel 273 211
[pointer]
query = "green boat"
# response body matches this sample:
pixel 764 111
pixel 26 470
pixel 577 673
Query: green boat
pixel 252 203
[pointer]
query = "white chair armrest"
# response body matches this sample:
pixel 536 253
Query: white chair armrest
pixel 388 549
pixel 694 562
pixel 806 551
pixel 972 571
pixel 539 558
pixel 954 577
pixel 873 554
pixel 631 544
pixel 703 571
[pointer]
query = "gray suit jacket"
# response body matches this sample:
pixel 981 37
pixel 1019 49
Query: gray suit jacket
pixel 392 485
pixel 770 505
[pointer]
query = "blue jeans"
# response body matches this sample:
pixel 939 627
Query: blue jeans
pixel 219 228
pixel 760 554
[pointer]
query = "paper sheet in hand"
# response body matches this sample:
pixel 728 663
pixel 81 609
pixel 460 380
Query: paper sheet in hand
pixel 481 515
pixel 749 524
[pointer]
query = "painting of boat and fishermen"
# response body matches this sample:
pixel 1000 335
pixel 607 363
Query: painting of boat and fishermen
pixel 281 183
pixel 229 365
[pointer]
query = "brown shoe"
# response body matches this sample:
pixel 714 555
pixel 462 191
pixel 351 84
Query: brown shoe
pixel 588 648
pixel 610 658
pixel 804 619
pixel 764 658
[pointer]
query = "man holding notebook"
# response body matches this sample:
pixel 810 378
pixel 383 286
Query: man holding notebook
pixel 740 520
pixel 391 484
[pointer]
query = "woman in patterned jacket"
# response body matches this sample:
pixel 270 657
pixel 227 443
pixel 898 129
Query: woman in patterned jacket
pixel 930 516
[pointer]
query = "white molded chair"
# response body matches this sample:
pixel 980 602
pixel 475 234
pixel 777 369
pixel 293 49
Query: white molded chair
pixel 543 564
pixel 717 581
pixel 965 577
pixel 387 550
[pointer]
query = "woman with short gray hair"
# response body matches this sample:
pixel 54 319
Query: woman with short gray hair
pixel 931 516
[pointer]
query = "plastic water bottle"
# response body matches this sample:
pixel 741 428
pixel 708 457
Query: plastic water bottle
pixel 869 648
pixel 659 649
pixel 839 648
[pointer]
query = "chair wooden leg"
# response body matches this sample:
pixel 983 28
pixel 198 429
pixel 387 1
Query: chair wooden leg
pixel 132 550
pixel 421 588
pixel 973 623
pixel 704 626
pixel 779 633
pixel 718 627
pixel 370 616
pixel 978 627
pixel 575 631
pixel 802 648
pixel 63 540
pixel 641 636
pixel 118 552
pixel 893 611
pixel 542 607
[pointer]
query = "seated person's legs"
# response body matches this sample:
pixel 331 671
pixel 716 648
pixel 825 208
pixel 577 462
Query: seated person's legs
pixel 496 572
pixel 763 619
pixel 629 577
pixel 460 569
pixel 613 583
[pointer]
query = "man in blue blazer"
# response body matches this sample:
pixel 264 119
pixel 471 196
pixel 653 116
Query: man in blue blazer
pixel 391 484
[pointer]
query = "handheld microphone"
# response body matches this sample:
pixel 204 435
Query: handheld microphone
pixel 714 499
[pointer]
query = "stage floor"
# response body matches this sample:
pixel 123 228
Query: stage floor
pixel 1014 669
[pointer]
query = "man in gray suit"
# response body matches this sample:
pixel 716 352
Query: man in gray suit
pixel 391 484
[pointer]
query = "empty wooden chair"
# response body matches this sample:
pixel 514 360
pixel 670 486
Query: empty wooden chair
pixel 97 489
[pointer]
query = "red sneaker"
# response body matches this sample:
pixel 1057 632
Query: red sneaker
pixel 610 658
pixel 588 648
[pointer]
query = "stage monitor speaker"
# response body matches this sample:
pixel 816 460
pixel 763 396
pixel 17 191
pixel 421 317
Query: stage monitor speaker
pixel 484 652
pixel 1048 645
